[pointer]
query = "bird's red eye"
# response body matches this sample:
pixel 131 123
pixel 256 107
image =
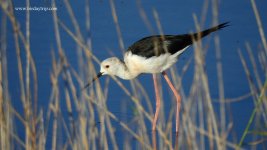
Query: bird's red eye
pixel 107 66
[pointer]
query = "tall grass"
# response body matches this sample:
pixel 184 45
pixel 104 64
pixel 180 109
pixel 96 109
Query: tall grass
pixel 201 127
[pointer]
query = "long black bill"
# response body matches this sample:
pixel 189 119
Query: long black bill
pixel 95 78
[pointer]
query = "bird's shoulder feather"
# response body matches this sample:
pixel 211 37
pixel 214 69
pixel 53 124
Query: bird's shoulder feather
pixel 157 45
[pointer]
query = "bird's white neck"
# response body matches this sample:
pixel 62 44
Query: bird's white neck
pixel 124 72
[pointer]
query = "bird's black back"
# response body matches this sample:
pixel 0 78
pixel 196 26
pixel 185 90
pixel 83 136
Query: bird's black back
pixel 160 44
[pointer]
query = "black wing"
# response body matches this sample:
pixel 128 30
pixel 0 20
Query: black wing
pixel 161 44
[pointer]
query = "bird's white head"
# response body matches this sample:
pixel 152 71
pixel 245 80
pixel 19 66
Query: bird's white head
pixel 114 67
pixel 110 66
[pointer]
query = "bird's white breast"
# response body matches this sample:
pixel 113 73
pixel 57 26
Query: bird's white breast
pixel 156 64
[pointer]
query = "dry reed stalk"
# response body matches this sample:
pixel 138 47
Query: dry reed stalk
pixel 70 118
pixel 258 98
pixel 54 79
pixel 54 107
pixel 144 16
pixel 41 133
pixel 106 127
pixel 258 80
pixel 116 22
pixel 145 95
pixel 91 69
pixel 5 115
pixel 204 12
pixel 262 60
pixel 79 35
pixel 139 117
pixel 76 39
pixel 188 133
pixel 255 95
pixel 259 22
pixel 212 122
pixel 2 115
pixel 215 12
pixel 226 143
pixel 254 65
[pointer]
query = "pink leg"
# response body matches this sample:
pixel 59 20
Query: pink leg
pixel 157 102
pixel 178 99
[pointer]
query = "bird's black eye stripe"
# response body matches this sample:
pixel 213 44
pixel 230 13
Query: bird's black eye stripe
pixel 107 66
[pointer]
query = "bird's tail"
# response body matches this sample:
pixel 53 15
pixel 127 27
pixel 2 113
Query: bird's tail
pixel 204 33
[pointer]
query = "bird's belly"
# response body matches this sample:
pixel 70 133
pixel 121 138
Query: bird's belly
pixel 155 64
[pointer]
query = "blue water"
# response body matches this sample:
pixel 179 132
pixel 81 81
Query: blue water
pixel 176 18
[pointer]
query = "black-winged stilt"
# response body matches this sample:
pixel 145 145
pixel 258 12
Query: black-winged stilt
pixel 153 54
